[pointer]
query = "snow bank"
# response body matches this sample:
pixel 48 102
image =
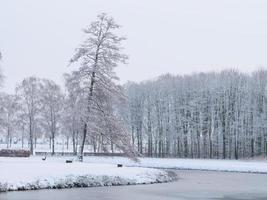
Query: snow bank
pixel 248 166
pixel 33 173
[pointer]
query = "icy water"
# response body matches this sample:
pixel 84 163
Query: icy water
pixel 192 185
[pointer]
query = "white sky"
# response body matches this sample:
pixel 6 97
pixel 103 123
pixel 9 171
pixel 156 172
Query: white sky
pixel 38 37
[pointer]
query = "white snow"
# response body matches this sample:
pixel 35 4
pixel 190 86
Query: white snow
pixel 249 166
pixel 33 173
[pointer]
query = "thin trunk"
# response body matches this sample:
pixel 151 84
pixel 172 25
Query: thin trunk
pixel 83 141
pixel 31 136
pixel 74 143
pixel 53 143
pixel 90 96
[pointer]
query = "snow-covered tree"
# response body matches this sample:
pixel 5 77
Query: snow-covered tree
pixel 205 115
pixel 73 108
pixel 51 104
pixel 98 56
pixel 9 107
pixel 29 94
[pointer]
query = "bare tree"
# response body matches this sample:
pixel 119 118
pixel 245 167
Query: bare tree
pixel 51 99
pixel 73 108
pixel 98 55
pixel 205 115
pixel 9 115
pixel 29 93
pixel 22 124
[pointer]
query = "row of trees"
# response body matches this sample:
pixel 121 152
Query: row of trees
pixel 40 111
pixel 87 112
pixel 206 115
pixel 35 109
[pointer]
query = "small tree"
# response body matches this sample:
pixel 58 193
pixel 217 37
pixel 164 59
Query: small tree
pixel 29 94
pixel 51 108
pixel 99 55
pixel 9 119
pixel 73 108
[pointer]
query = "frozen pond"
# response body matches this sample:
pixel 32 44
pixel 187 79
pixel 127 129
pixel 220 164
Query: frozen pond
pixel 192 185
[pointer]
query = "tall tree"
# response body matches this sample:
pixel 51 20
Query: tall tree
pixel 9 115
pixel 98 56
pixel 73 111
pixel 29 93
pixel 51 99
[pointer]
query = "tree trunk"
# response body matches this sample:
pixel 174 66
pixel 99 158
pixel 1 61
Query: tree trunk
pixel 67 143
pixel 74 150
pixel 90 96
pixel 31 136
pixel 22 138
pixel 83 141
pixel 53 143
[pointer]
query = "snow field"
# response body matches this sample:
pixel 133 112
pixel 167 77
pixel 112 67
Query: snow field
pixel 246 166
pixel 33 173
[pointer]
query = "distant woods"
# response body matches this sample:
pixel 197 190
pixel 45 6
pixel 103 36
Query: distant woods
pixel 206 115
pixel 86 114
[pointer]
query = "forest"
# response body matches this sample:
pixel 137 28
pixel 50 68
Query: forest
pixel 206 115
pixel 218 115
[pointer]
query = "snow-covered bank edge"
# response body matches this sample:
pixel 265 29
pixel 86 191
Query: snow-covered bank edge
pixel 206 170
pixel 240 166
pixel 30 174
pixel 86 181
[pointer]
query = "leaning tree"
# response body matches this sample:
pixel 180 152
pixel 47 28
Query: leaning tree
pixel 97 57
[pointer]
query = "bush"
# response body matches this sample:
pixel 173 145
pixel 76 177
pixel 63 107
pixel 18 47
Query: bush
pixel 14 153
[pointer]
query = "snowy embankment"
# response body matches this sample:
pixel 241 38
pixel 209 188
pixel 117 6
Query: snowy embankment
pixel 33 173
pixel 248 166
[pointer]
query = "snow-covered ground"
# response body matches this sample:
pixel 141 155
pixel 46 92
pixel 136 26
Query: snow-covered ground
pixel 250 166
pixel 33 173
pixel 192 185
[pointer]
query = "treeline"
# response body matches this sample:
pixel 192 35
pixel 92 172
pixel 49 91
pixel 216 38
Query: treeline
pixel 206 115
pixel 42 112
pixel 85 112
pixel 34 111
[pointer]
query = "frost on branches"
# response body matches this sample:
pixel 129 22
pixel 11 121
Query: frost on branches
pixel 97 58
pixel 205 115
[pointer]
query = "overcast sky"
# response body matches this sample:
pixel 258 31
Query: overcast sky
pixel 38 37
